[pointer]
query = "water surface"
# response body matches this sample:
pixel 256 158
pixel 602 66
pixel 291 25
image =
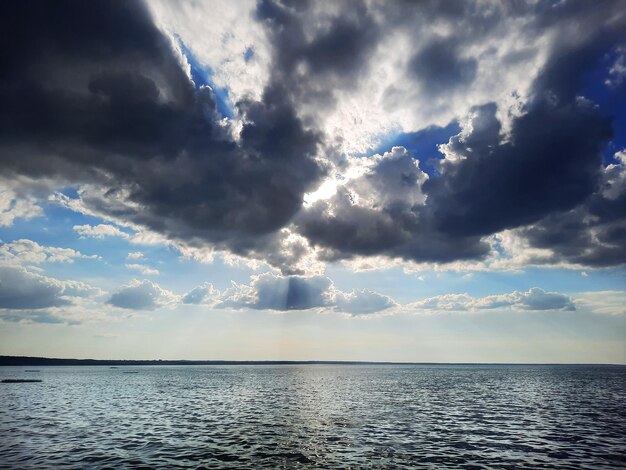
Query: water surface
pixel 315 416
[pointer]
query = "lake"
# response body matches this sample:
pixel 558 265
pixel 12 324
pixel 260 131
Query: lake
pixel 314 416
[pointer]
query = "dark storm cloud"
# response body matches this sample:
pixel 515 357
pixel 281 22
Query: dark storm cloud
pixel 439 68
pixel 396 225
pixel 338 48
pixel 334 56
pixel 593 234
pixel 550 162
pixel 93 92
pixel 550 172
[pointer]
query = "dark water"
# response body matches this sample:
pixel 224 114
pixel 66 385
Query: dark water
pixel 315 417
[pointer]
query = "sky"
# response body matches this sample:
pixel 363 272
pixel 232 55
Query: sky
pixel 275 180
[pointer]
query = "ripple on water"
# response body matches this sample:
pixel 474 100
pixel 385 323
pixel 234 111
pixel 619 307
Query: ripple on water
pixel 317 417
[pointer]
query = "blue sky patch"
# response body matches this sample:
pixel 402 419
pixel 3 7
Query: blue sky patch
pixel 202 76
pixel 421 144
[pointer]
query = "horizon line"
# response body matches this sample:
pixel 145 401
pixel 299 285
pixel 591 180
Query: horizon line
pixel 8 360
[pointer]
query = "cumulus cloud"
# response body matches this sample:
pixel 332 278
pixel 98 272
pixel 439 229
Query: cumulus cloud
pixel 241 63
pixel 12 207
pixel 203 294
pixel 382 211
pixel 30 252
pixel 592 234
pixel 482 188
pixel 272 292
pixel 143 269
pixel 266 291
pixel 535 299
pixel 142 295
pixel 99 231
pixel 21 289
pixel 134 255
pixel 362 302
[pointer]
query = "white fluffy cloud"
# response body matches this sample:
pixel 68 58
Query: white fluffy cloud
pixel 534 299
pixel 362 302
pixel 30 252
pixel 14 207
pixel 614 177
pixel 143 269
pixel 203 294
pixel 234 47
pixel 99 231
pixel 134 255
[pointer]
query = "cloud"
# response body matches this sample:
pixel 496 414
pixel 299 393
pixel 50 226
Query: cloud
pixel 241 63
pixel 133 124
pixel 143 269
pixel 142 295
pixel 535 299
pixel 30 252
pixel 617 72
pixel 382 211
pixel 134 255
pixel 548 161
pixel 335 51
pixel 99 231
pixel 538 299
pixel 272 292
pixel 12 207
pixel 439 68
pixel 203 294
pixel 484 188
pixel 36 316
pixel 592 234
pixel 21 289
pixel 140 127
pixel 602 302
pixel 362 302
pixel 510 166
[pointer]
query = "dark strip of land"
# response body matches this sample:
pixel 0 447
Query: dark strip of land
pixel 51 361
pixel 19 381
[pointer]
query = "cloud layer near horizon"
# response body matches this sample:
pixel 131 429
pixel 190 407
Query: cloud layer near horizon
pixel 27 295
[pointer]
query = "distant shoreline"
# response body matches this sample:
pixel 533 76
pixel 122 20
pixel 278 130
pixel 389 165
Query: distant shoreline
pixel 51 361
